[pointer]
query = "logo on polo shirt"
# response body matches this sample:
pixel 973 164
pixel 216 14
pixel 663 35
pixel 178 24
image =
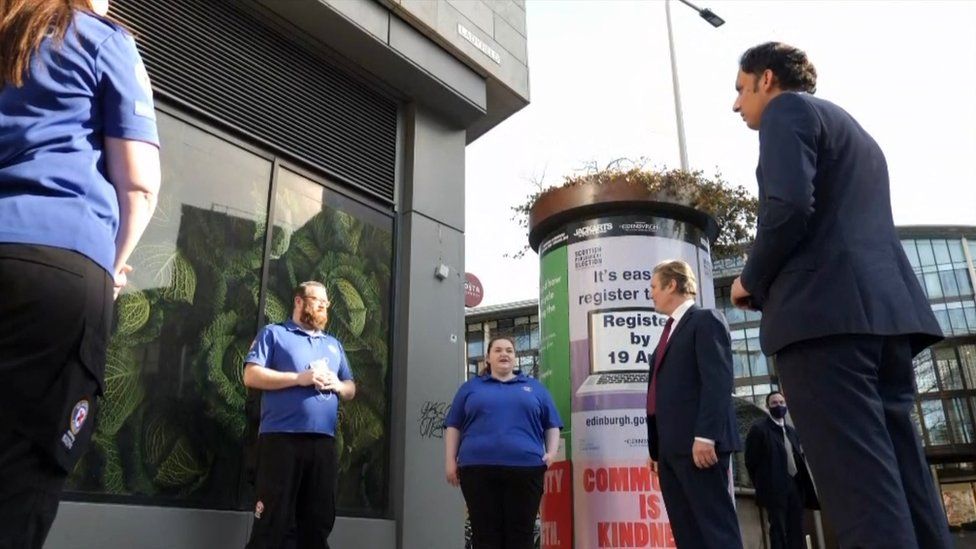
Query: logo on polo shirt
pixel 527 389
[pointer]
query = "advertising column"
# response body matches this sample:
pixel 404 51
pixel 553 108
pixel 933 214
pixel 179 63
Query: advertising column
pixel 599 332
pixel 556 531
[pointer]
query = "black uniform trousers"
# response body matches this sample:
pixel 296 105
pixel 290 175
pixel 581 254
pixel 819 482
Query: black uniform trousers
pixel 295 485
pixel 700 507
pixel 851 398
pixel 503 503
pixel 55 315
pixel 786 522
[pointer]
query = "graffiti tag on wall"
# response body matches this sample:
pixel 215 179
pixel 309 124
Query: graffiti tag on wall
pixel 431 420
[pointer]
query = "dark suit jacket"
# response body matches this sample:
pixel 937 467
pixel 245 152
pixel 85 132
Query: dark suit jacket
pixel 694 388
pixel 826 259
pixel 766 463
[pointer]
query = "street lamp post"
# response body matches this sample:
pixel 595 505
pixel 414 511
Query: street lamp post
pixel 713 20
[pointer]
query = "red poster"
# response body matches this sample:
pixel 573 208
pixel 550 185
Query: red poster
pixel 557 507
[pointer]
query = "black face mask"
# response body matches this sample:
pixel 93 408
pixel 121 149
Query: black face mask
pixel 778 412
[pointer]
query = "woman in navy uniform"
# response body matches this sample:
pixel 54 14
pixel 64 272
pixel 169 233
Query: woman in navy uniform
pixel 502 432
pixel 79 174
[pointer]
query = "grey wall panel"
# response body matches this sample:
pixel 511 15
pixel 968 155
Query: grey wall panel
pixel 90 525
pixel 429 332
pixel 431 512
pixel 434 174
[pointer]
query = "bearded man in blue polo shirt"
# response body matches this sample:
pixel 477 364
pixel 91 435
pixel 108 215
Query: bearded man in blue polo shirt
pixel 304 373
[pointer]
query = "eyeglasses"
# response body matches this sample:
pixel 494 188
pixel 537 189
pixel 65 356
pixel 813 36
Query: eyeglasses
pixel 318 300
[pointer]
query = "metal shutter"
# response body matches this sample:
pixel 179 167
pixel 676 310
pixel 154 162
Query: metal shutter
pixel 220 60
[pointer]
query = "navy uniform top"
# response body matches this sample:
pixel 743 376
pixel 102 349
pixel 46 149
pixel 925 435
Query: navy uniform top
pixel 54 187
pixel 502 422
pixel 286 347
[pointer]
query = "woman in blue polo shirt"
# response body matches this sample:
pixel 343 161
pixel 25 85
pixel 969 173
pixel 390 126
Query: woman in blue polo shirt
pixel 501 434
pixel 79 174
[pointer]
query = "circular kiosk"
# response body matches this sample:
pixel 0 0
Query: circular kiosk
pixel 598 244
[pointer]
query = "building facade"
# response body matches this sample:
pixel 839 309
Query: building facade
pixel 307 139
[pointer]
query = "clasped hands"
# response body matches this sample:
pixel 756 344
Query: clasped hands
pixel 322 379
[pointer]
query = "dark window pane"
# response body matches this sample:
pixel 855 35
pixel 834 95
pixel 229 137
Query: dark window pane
pixel 956 251
pixel 960 421
pixel 957 318
pixel 941 251
pixel 476 345
pixel 325 236
pixel 171 426
pixel 963 282
pixel 522 340
pixel 935 422
pixel 740 358
pixel 942 316
pixel 970 310
pixel 925 373
pixel 967 358
pixel 933 288
pixel 734 316
pixel 911 251
pixel 925 254
pixel 949 286
pixel 949 373
pixel 756 358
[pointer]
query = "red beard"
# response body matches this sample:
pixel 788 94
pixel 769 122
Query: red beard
pixel 314 318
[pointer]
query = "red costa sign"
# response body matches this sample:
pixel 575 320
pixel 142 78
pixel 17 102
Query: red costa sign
pixel 473 292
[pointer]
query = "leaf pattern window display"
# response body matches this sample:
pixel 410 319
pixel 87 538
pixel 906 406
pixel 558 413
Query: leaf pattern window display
pixel 171 423
pixel 322 235
pixel 171 428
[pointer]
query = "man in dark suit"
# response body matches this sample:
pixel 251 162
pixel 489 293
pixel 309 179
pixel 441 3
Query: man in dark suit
pixel 779 472
pixel 691 430
pixel 842 309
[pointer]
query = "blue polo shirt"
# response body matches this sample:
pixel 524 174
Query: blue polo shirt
pixel 286 347
pixel 54 188
pixel 502 422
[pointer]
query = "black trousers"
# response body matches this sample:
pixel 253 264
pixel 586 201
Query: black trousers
pixel 786 521
pixel 295 484
pixel 851 398
pixel 699 505
pixel 55 315
pixel 503 503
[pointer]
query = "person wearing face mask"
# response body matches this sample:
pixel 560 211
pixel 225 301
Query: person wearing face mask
pixel 500 435
pixel 779 472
